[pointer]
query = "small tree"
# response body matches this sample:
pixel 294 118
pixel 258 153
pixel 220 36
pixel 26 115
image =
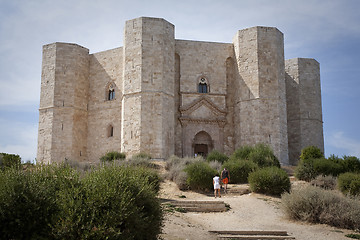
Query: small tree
pixel 311 152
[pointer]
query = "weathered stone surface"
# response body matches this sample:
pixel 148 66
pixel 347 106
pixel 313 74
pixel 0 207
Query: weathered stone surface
pixel 164 96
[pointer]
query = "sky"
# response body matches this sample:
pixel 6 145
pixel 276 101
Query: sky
pixel 328 31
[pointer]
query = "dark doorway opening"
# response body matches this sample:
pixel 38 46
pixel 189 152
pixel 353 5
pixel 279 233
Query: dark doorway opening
pixel 201 149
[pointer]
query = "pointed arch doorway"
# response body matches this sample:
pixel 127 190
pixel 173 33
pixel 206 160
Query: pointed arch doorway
pixel 202 144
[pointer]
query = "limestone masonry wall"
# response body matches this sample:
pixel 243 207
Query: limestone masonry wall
pixel 164 96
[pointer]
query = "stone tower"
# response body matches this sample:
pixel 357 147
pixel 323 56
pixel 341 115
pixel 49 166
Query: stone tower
pixel 148 122
pixel 260 109
pixel 63 103
pixel 304 111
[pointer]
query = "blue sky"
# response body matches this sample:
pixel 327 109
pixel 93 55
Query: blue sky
pixel 325 30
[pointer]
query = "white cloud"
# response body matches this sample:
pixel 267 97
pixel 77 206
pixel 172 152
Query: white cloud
pixel 340 141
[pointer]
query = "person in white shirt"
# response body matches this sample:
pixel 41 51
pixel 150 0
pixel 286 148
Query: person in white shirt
pixel 216 183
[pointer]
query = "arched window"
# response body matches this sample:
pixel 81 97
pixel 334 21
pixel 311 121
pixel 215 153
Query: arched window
pixel 111 92
pixel 202 88
pixel 203 85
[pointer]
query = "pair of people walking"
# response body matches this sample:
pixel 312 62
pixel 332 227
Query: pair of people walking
pixel 225 178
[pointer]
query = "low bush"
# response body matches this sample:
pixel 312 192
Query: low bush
pixel 176 166
pixel 217 156
pixel 242 153
pixel 351 164
pixel 200 175
pixel 28 200
pixel 240 170
pixel 9 161
pixel 325 182
pixel 117 202
pixel 326 167
pixel 348 183
pixel 216 165
pixel 311 152
pixel 305 170
pixel 142 155
pixel 112 156
pixel 270 180
pixel 261 154
pixel 53 202
pixel 315 205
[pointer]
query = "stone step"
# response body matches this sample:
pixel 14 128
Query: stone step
pixel 199 206
pixel 277 235
pixel 253 232
pixel 252 237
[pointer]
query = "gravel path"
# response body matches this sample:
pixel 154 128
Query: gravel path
pixel 248 212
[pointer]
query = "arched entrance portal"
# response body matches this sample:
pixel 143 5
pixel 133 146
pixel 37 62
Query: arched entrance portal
pixel 202 144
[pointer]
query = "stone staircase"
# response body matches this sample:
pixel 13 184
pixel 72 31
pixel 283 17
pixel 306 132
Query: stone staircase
pixel 197 205
pixel 251 235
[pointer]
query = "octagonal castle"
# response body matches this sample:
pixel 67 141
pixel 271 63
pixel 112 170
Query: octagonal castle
pixel 165 96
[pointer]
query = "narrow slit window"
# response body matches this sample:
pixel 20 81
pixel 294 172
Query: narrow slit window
pixel 110 131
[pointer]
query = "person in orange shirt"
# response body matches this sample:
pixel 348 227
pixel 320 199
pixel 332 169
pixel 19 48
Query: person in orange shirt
pixel 225 178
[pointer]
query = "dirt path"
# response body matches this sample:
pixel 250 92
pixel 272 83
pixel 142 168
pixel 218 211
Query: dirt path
pixel 248 212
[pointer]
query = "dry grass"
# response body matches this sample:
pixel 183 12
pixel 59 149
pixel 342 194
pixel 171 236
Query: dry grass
pixel 316 205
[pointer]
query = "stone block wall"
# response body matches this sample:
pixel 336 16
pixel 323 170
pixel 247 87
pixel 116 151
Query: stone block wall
pixel 304 110
pixel 253 96
pixel 63 104
pixel 260 105
pixel 106 68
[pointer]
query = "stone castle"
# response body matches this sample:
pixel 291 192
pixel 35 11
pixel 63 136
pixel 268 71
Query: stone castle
pixel 164 96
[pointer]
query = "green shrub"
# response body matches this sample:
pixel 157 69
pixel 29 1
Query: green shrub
pixel 346 185
pixel 327 167
pixel 9 161
pixel 176 166
pixel 263 156
pixel 114 203
pixel 315 205
pixel 217 156
pixel 351 164
pixel 260 154
pixel 270 180
pixel 200 175
pixel 354 188
pixel 311 152
pixel 239 170
pixel 305 170
pixel 53 202
pixel 28 200
pixel 242 153
pixel 112 156
pixel 142 155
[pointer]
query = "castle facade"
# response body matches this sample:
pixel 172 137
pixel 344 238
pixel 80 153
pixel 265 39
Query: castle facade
pixel 165 96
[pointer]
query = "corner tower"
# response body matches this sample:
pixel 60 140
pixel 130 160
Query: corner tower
pixel 260 106
pixel 63 103
pixel 304 111
pixel 148 120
